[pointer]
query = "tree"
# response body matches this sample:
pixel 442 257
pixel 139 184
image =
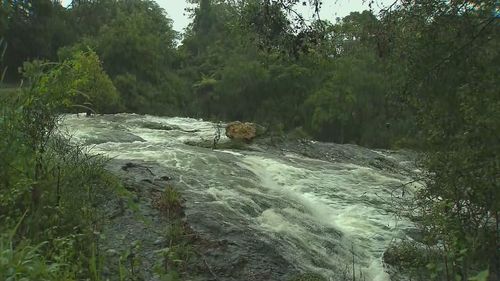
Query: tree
pixel 36 30
pixel 78 81
pixel 4 16
pixel 88 16
pixel 137 48
pixel 447 51
pixel 91 84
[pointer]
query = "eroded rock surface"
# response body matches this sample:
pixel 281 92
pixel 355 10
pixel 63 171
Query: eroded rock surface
pixel 261 213
pixel 135 232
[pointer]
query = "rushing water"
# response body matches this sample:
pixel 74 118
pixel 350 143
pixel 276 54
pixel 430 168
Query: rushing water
pixel 318 214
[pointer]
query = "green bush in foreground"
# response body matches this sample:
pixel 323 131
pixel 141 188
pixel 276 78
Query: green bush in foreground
pixel 48 187
pixel 79 81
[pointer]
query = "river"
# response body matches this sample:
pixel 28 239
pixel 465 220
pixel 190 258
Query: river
pixel 319 212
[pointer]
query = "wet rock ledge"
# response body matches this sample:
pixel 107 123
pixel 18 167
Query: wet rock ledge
pixel 153 233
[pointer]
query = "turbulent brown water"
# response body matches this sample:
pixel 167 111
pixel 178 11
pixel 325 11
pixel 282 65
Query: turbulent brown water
pixel 317 212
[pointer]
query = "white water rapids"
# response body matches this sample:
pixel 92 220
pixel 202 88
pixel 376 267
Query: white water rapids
pixel 318 214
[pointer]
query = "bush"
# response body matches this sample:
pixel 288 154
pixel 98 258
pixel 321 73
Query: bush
pixel 48 187
pixel 169 202
pixel 24 262
pixel 90 80
pixel 78 82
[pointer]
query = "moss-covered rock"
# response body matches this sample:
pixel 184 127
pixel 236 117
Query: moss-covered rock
pixel 309 276
pixel 406 254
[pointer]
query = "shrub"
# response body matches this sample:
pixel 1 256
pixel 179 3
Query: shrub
pixel 169 202
pixel 78 82
pixel 48 187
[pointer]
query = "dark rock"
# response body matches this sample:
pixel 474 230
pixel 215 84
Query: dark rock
pixel 165 178
pixel 232 144
pixel 224 252
pixel 111 136
pixel 159 126
pixel 191 131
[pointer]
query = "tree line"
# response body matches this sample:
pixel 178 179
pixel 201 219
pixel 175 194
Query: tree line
pixel 236 61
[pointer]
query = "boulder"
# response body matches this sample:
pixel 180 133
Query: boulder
pixel 241 131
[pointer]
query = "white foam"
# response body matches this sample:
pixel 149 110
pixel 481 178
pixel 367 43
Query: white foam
pixel 314 210
pixel 314 192
pixel 231 152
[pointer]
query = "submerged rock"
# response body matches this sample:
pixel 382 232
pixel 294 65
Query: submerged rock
pixel 112 137
pixel 166 127
pixel 232 144
pixel 159 126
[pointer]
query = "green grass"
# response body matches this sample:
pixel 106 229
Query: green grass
pixel 179 237
pixel 170 202
pixel 49 194
pixel 180 249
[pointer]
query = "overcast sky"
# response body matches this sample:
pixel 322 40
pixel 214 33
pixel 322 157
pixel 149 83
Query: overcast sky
pixel 330 11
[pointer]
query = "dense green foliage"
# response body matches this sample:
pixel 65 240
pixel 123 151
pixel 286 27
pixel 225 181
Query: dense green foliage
pixel 78 81
pixel 236 61
pixel 48 187
pixel 451 80
pixel 421 74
